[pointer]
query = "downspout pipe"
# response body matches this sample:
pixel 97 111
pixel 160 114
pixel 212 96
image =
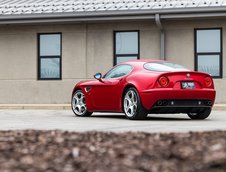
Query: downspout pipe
pixel 162 37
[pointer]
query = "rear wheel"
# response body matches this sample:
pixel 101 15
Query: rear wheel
pixel 200 115
pixel 78 104
pixel 132 105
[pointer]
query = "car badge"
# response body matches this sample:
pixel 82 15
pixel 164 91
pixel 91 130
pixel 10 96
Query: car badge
pixel 188 75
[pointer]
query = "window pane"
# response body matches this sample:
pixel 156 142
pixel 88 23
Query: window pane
pixel 208 40
pixel 209 64
pixel 164 67
pixel 125 58
pixel 50 45
pixel 127 43
pixel 50 68
pixel 119 71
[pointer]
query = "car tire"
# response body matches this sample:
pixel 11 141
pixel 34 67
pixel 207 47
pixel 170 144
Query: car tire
pixel 132 105
pixel 78 104
pixel 200 115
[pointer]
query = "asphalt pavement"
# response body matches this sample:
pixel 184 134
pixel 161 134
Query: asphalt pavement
pixel 107 122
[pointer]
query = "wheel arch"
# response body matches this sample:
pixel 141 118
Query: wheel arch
pixel 135 85
pixel 75 89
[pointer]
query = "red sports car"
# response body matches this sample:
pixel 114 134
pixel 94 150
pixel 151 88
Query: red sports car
pixel 140 87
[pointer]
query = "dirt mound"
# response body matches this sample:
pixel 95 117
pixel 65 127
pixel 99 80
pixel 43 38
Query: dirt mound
pixel 96 151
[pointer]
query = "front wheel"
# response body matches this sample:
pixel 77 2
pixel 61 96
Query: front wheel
pixel 78 104
pixel 132 105
pixel 200 115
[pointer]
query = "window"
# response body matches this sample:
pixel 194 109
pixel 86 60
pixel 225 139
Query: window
pixel 164 67
pixel 49 56
pixel 119 71
pixel 208 51
pixel 126 46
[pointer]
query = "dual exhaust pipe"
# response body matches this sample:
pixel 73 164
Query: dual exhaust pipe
pixel 162 103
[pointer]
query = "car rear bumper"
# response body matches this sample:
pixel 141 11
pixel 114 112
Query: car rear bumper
pixel 177 99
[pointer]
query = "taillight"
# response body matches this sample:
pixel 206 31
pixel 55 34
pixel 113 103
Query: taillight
pixel 208 82
pixel 163 81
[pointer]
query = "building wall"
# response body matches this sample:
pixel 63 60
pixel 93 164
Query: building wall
pixel 180 46
pixel 86 49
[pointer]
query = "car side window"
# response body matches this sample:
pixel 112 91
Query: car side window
pixel 118 71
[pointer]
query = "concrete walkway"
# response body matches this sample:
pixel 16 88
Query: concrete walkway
pixel 65 120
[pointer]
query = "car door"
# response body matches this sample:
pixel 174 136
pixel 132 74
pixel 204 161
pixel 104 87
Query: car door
pixel 106 93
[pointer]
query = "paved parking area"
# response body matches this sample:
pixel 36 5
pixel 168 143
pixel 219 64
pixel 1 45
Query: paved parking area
pixel 66 120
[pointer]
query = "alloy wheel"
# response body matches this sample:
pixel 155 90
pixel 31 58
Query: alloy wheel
pixel 78 103
pixel 130 103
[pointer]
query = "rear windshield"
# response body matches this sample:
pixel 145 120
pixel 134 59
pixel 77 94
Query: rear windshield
pixel 164 67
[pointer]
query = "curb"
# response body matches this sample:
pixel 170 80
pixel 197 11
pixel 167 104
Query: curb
pixel 36 106
pixel 64 106
pixel 219 107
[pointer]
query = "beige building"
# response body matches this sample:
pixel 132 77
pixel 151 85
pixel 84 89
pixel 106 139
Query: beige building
pixel 46 47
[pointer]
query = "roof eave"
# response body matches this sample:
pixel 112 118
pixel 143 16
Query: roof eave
pixel 202 12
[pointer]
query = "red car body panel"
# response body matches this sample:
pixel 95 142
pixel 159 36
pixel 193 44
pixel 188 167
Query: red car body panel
pixel 107 94
pixel 103 96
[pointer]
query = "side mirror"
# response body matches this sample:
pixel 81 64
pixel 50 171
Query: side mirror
pixel 98 76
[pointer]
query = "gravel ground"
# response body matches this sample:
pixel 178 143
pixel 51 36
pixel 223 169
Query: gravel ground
pixel 50 151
